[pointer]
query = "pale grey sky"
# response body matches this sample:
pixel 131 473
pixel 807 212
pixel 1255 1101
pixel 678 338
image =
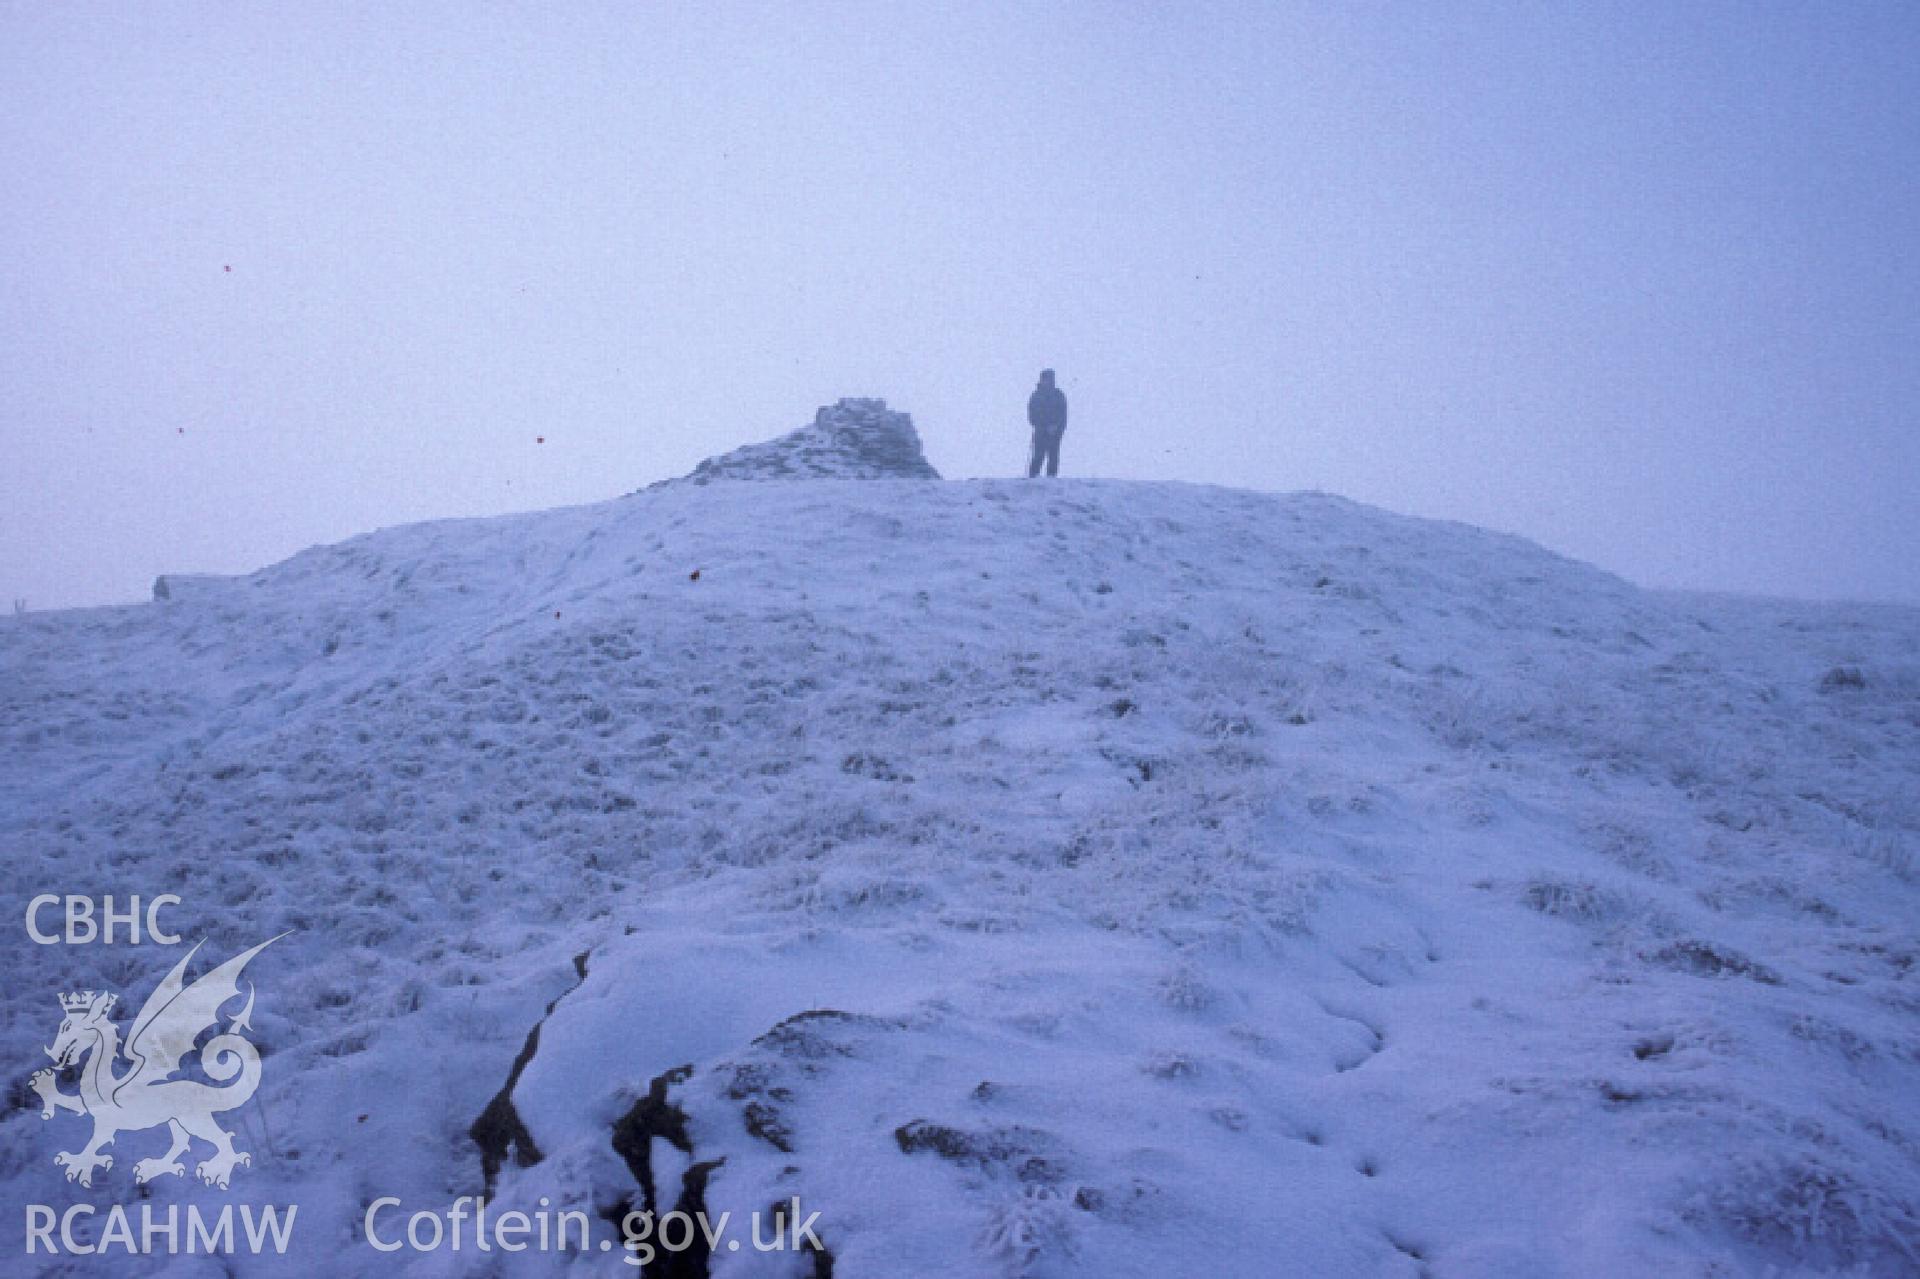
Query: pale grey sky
pixel 1636 280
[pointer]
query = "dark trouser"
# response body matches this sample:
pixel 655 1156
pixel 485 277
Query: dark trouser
pixel 1046 448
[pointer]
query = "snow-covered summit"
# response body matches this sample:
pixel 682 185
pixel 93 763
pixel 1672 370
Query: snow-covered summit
pixel 855 439
pixel 1035 879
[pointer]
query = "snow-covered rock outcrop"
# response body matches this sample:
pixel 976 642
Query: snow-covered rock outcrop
pixel 1082 878
pixel 855 439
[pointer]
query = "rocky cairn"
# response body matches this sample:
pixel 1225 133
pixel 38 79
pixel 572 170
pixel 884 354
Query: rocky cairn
pixel 851 440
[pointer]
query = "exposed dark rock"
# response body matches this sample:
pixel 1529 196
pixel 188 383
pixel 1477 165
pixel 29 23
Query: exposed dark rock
pixel 797 1038
pixel 1014 1148
pixel 499 1131
pixel 656 1115
pixel 652 1116
pixel 799 1045
pixel 689 1262
pixel 796 1043
pixel 1705 959
pixel 822 1257
pixel 764 1122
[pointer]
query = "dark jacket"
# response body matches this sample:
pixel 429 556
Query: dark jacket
pixel 1047 408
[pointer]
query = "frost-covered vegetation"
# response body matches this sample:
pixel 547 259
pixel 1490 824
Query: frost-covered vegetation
pixel 1076 878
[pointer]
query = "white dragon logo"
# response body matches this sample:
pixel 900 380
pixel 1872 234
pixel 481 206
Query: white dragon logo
pixel 148 1095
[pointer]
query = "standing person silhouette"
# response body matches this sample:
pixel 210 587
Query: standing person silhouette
pixel 1047 414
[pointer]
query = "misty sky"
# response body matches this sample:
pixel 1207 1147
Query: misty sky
pixel 1639 281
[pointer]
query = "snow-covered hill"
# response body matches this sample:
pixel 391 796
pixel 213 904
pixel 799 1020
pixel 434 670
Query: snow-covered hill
pixel 1076 878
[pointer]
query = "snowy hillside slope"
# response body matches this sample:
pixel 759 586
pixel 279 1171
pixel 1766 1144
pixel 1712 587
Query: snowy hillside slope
pixel 1076 878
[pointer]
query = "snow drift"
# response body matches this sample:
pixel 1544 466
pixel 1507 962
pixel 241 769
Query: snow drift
pixel 1032 878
